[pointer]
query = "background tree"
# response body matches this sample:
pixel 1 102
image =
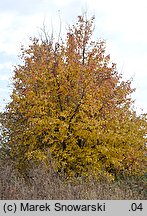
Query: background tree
pixel 69 100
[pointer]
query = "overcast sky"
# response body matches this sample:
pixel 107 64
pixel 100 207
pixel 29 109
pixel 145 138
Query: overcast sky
pixel 122 23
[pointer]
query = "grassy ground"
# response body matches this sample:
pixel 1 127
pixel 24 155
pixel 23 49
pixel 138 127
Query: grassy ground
pixel 47 185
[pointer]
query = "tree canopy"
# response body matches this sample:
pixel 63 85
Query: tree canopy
pixel 70 102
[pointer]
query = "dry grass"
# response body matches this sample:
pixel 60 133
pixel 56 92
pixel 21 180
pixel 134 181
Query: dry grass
pixel 48 185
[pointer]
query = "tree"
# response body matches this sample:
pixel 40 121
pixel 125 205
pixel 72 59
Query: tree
pixel 69 100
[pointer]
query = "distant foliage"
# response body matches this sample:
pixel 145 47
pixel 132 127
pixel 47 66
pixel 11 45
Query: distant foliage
pixel 69 101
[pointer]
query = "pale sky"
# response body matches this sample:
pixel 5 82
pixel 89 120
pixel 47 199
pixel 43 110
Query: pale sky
pixel 122 23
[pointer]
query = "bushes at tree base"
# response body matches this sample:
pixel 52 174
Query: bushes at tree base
pixel 44 184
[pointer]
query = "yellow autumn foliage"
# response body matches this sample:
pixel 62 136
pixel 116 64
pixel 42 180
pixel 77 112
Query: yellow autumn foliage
pixel 69 99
